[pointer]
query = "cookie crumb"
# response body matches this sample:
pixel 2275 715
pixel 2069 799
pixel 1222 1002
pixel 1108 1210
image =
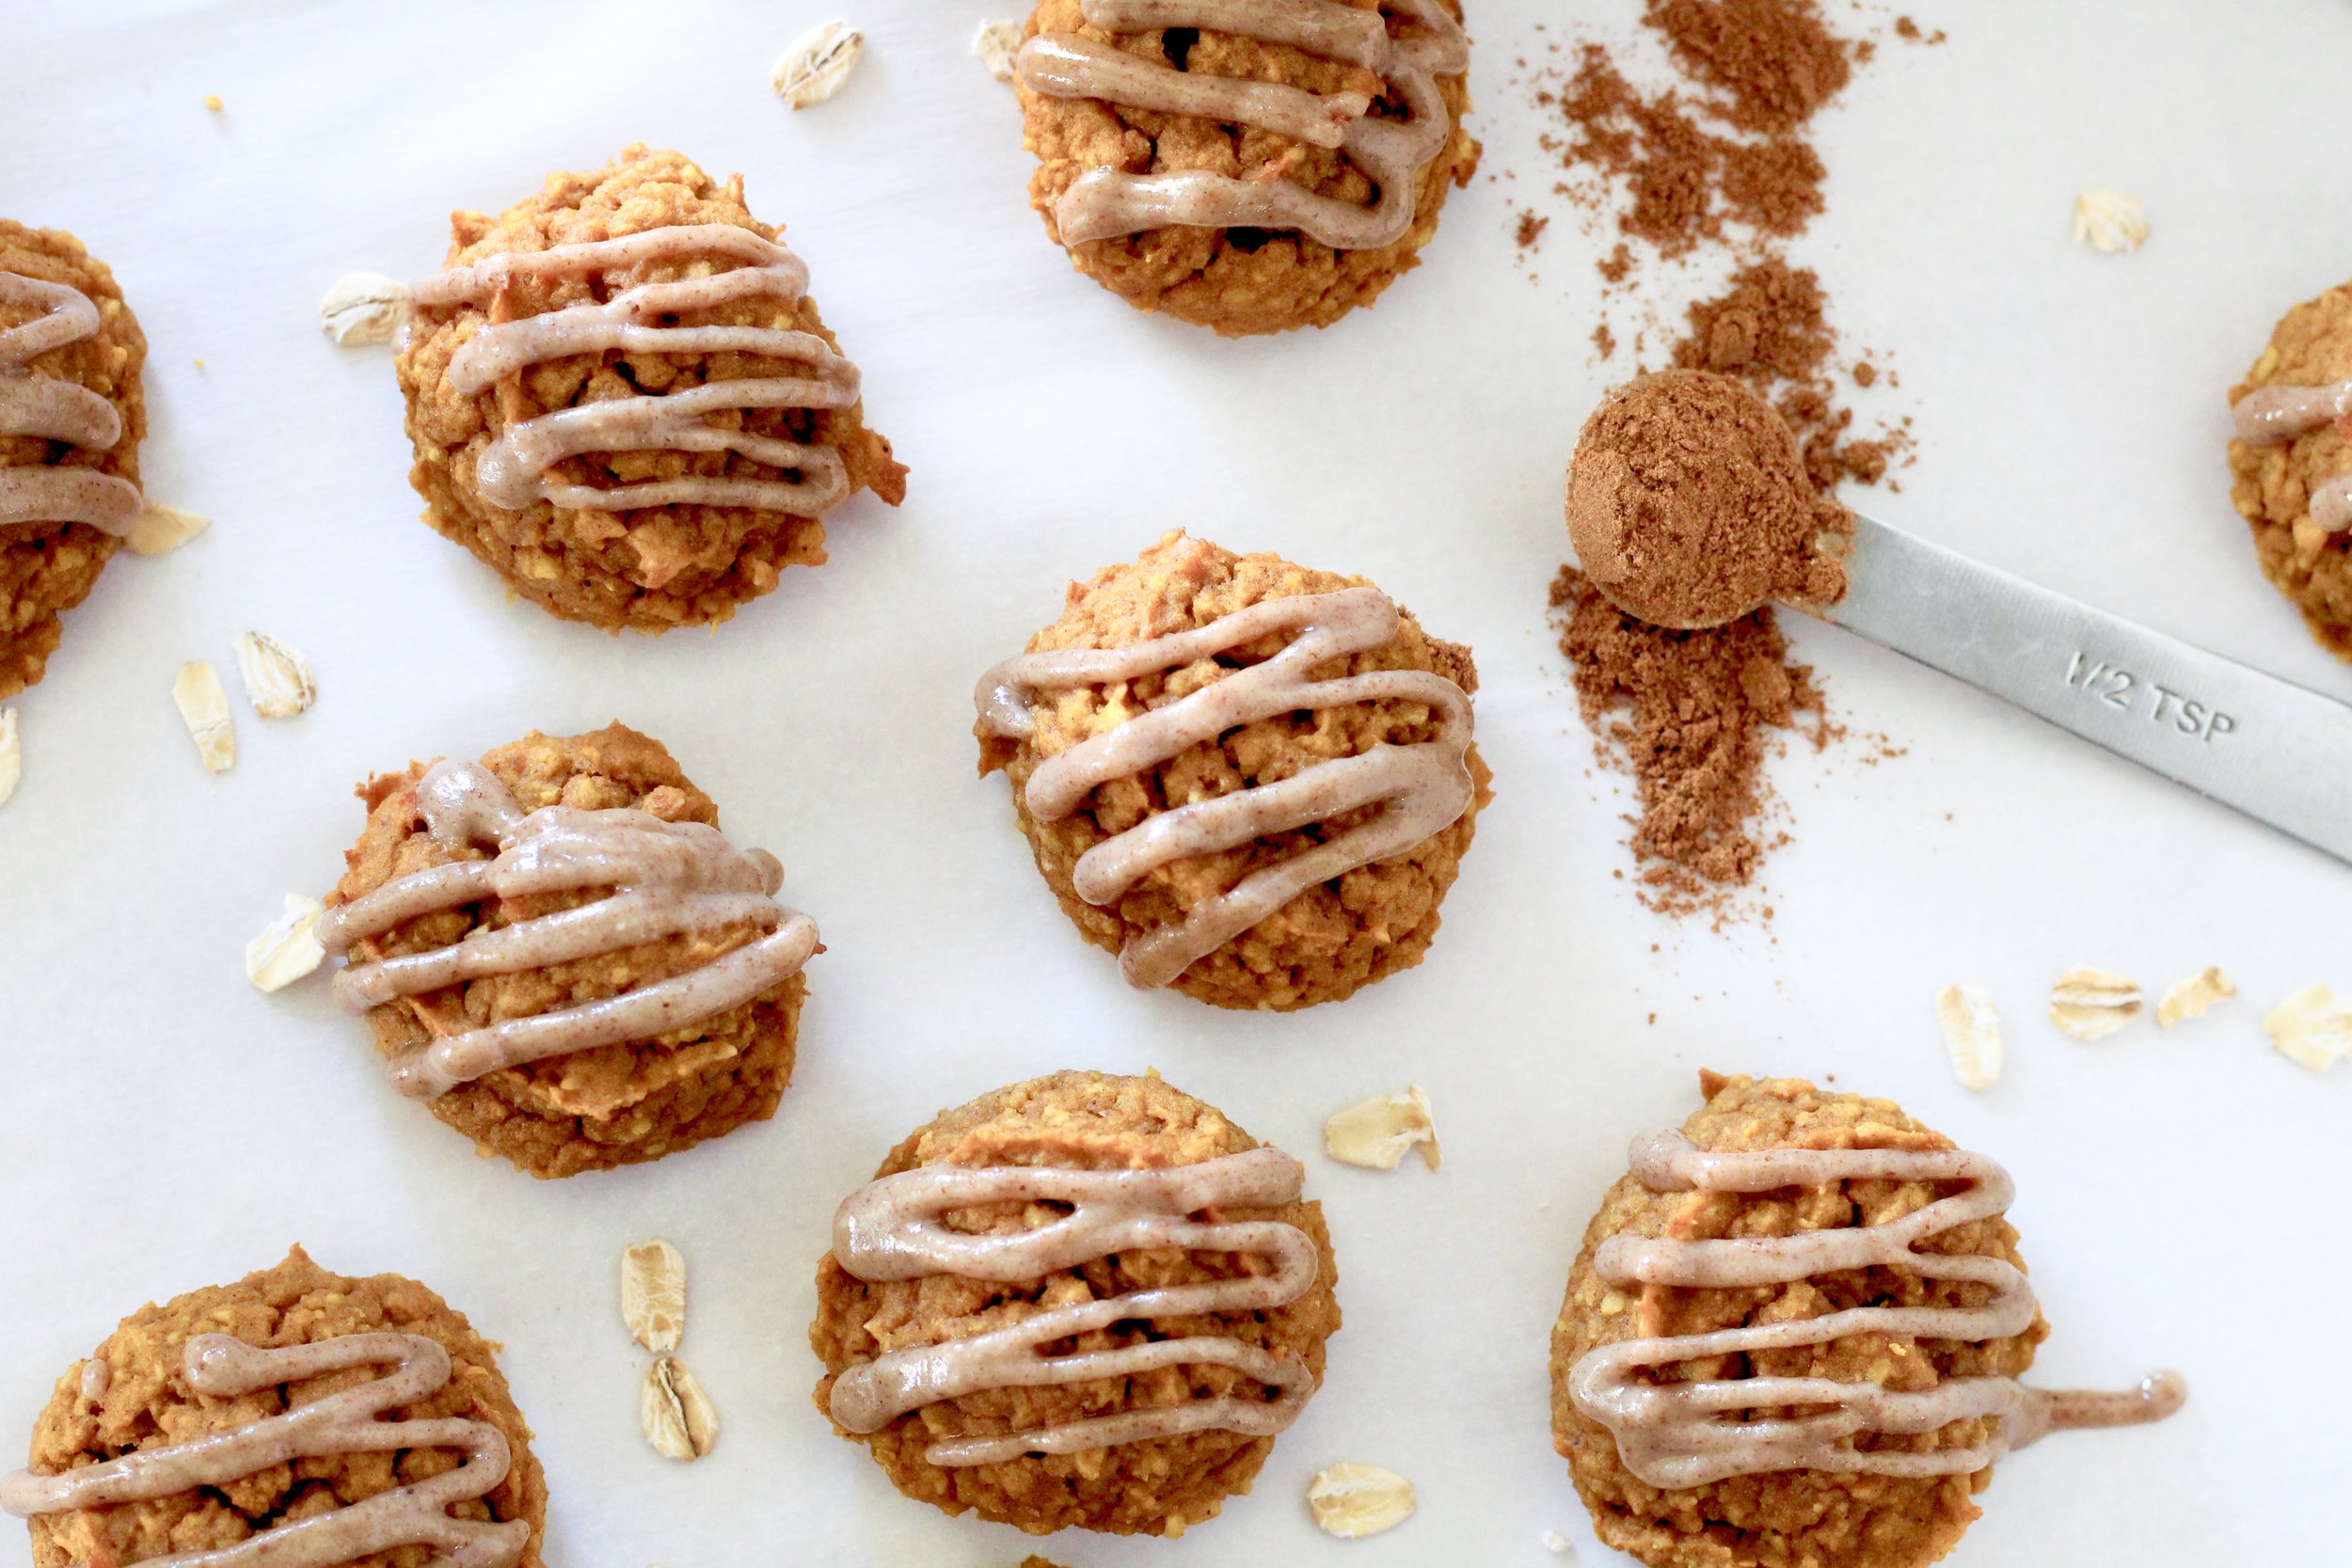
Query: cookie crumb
pixel 212 102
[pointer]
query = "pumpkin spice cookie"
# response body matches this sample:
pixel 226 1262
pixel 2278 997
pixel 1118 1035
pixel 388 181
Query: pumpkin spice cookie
pixel 71 417
pixel 1794 1336
pixel 1161 1253
pixel 623 400
pixel 557 950
pixel 1246 168
pixel 296 1415
pixel 1252 781
pixel 2292 463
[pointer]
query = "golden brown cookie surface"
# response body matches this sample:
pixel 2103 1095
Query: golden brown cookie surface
pixel 649 568
pixel 1238 282
pixel 2272 483
pixel 1160 1486
pixel 48 568
pixel 1331 940
pixel 146 1402
pixel 1787 1516
pixel 585 1110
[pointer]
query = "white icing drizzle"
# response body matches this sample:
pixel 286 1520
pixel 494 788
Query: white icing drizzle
pixel 1421 788
pixel 1675 1432
pixel 891 1230
pixel 516 469
pixel 51 409
pixel 1104 203
pixel 2272 416
pixel 665 878
pixel 346 1422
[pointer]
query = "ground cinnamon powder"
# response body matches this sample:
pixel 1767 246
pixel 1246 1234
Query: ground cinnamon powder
pixel 1769 328
pixel 1689 504
pixel 1689 713
pixel 1723 160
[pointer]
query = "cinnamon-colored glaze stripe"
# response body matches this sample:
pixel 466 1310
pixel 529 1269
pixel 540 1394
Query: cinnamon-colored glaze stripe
pixel 2272 416
pixel 1104 203
pixel 1421 788
pixel 891 1230
pixel 346 1423
pixel 49 409
pixel 666 878
pixel 514 471
pixel 1674 1434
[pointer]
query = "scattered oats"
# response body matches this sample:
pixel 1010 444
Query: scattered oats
pixel 2110 222
pixel 676 1415
pixel 997 43
pixel 212 102
pixel 363 308
pixel 11 755
pixel 289 948
pixel 277 679
pixel 1972 1032
pixel 204 708
pixel 1351 1501
pixel 814 66
pixel 1556 1543
pixel 2313 1028
pixel 163 529
pixel 1376 1134
pixel 2193 996
pixel 653 1295
pixel 2091 1004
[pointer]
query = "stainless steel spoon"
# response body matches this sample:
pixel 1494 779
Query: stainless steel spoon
pixel 2279 752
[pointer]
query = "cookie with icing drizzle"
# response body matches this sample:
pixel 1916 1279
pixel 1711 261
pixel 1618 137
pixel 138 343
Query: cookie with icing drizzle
pixel 72 413
pixel 558 951
pixel 1252 781
pixel 1249 165
pixel 1797 1333
pixel 2291 463
pixel 297 1416
pixel 1084 1301
pixel 622 398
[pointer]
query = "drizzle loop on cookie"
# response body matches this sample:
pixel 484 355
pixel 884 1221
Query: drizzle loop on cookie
pixel 516 469
pixel 1675 1432
pixel 893 1229
pixel 1104 203
pixel 2272 416
pixel 660 879
pixel 219 1366
pixel 47 408
pixel 1421 788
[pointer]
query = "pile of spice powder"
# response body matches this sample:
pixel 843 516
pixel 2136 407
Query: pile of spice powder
pixel 1688 712
pixel 1723 161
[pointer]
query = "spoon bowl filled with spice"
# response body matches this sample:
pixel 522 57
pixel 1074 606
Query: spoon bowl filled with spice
pixel 1688 507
